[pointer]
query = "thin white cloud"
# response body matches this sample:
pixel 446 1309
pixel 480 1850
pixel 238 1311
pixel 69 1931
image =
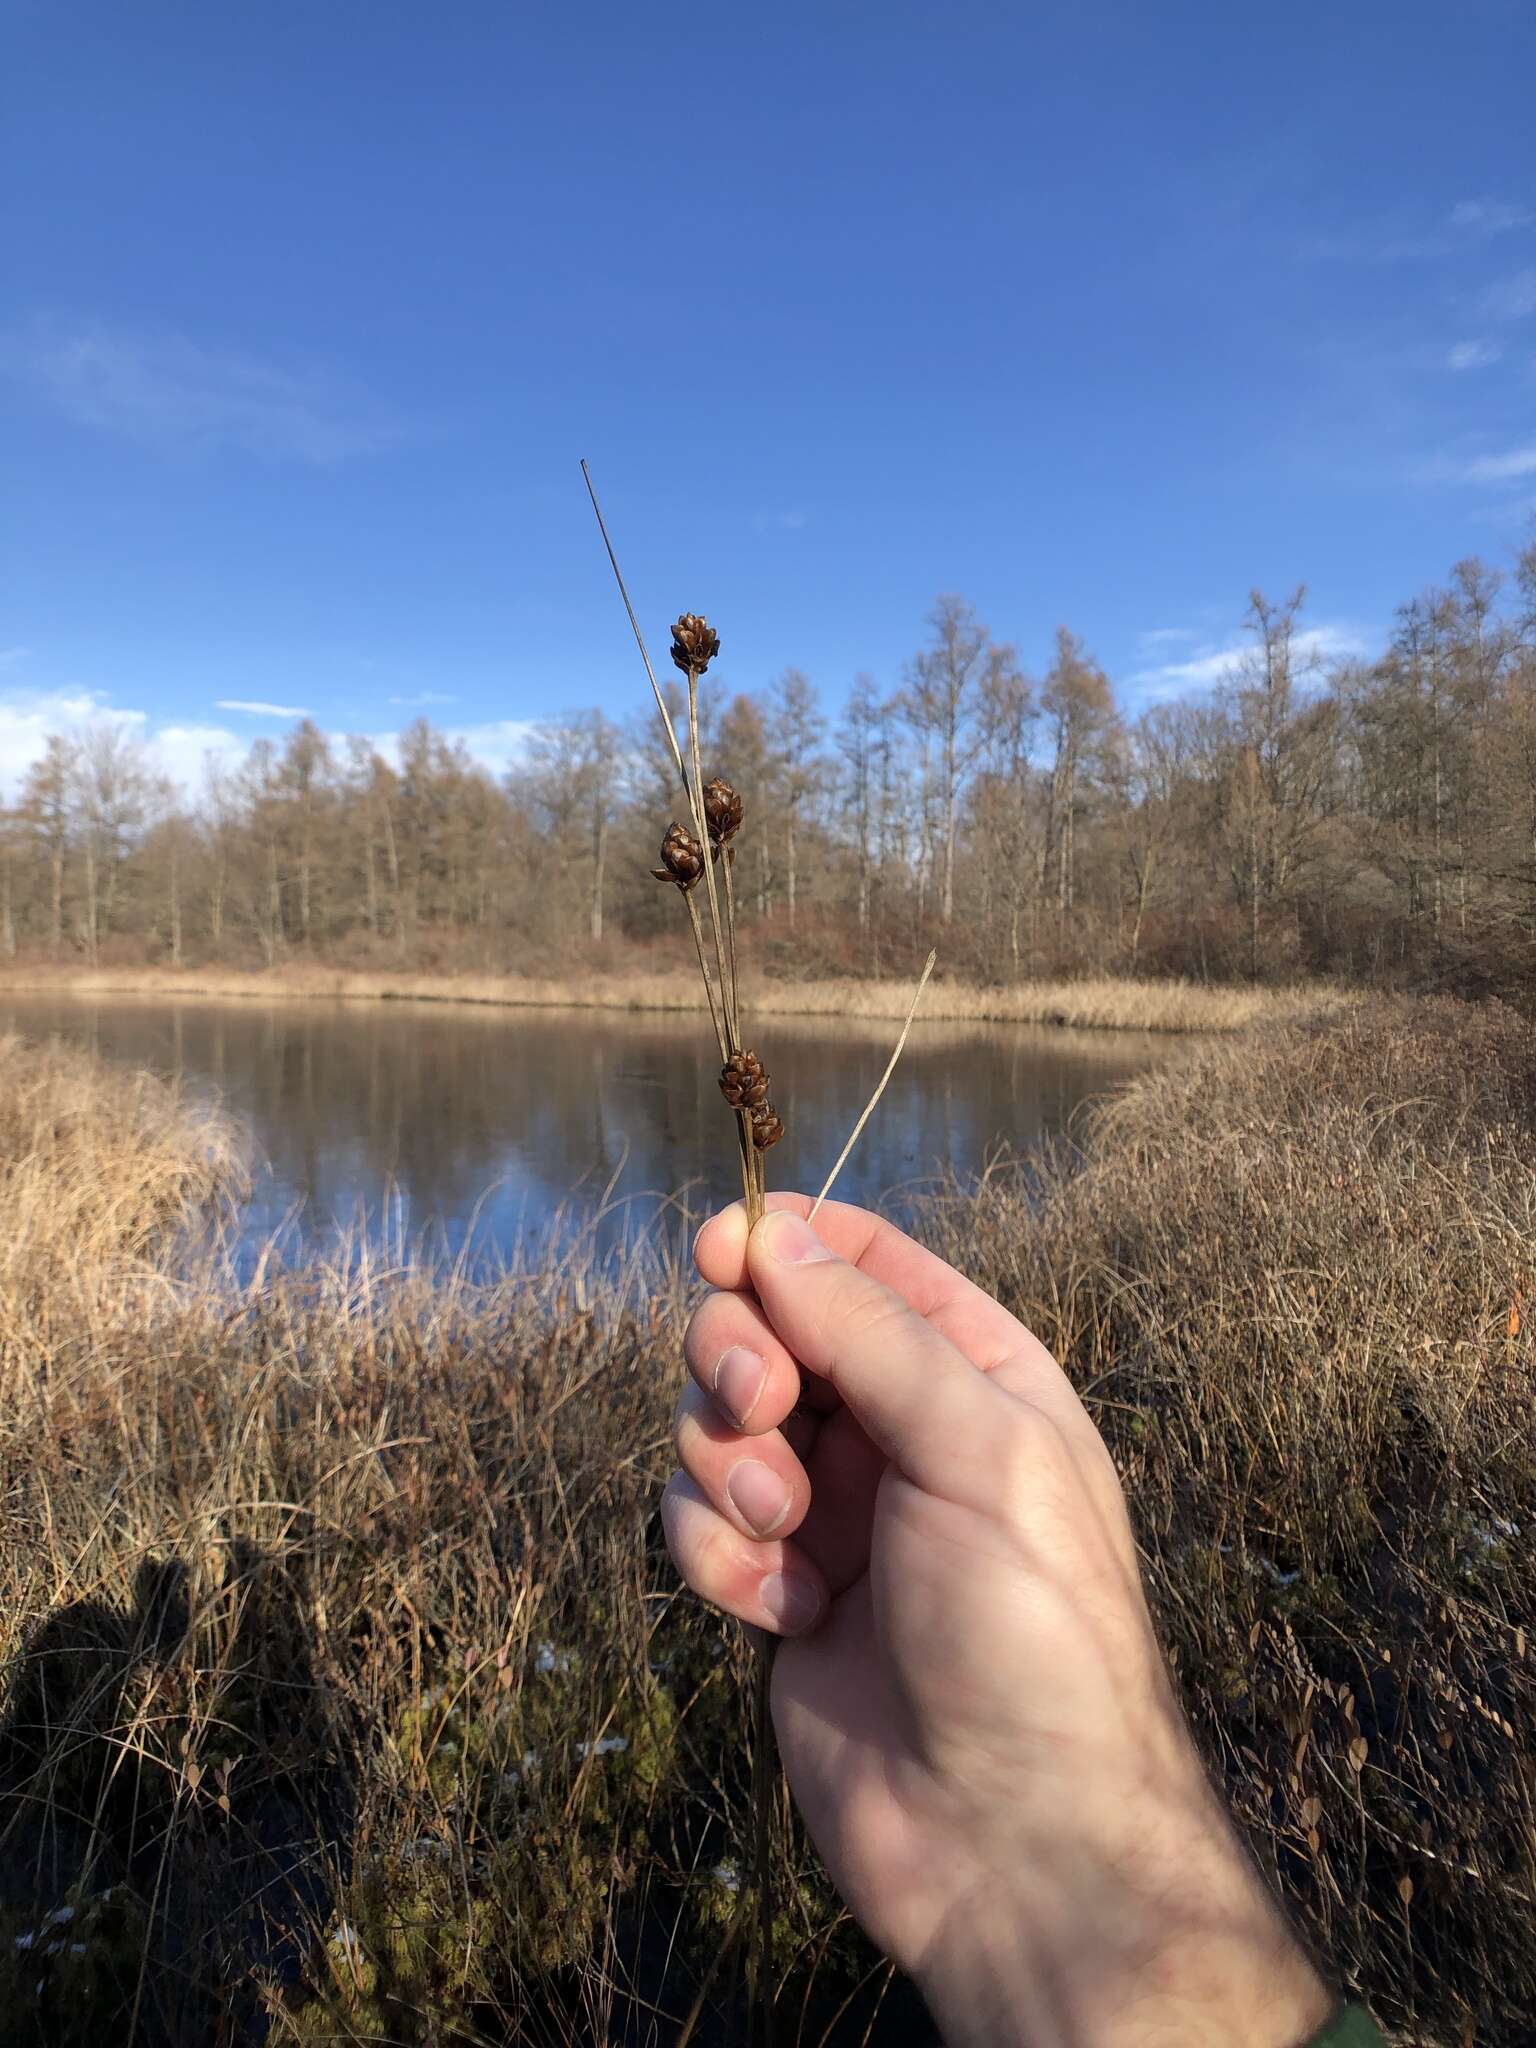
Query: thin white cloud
pixel 1505 468
pixel 169 393
pixel 1485 218
pixel 254 707
pixel 1168 636
pixel 9 656
pixel 1396 240
pixel 1473 355
pixel 425 697
pixel 498 744
pixel 1212 666
pixel 1514 298
pixel 184 753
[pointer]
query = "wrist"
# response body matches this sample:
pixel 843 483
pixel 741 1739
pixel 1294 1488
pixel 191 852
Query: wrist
pixel 1200 1958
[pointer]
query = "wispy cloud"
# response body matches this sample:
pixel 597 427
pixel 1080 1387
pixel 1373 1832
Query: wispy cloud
pixel 1168 636
pixel 422 698
pixel 1210 666
pixel 498 744
pixel 167 392
pixel 1396 240
pixel 1492 466
pixel 789 521
pixel 9 656
pixel 254 707
pixel 1484 218
pixel 1514 298
pixel 1473 355
pixel 1512 464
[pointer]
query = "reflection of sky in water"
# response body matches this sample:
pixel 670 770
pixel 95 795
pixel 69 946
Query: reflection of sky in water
pixel 487 1121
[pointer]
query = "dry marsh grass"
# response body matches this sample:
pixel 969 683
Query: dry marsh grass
pixel 98 1169
pixel 350 1697
pixel 1104 1004
pixel 1293 1280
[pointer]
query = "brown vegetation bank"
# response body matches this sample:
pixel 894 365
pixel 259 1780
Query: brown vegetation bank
pixel 1105 1003
pixel 349 1696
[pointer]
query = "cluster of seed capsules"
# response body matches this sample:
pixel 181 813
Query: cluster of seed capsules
pixel 743 1080
pixel 744 1084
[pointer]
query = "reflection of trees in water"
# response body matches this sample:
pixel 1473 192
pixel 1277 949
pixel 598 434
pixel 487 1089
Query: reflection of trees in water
pixel 348 1100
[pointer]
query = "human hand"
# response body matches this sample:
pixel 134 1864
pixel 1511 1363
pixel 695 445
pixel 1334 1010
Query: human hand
pixel 883 1466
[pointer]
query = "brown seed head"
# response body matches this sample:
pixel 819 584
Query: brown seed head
pixel 695 643
pixel 722 811
pixel 767 1127
pixel 743 1082
pixel 682 858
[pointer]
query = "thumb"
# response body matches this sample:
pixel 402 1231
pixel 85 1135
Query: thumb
pixel 917 1396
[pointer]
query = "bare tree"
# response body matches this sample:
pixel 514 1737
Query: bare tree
pixel 942 701
pixel 112 789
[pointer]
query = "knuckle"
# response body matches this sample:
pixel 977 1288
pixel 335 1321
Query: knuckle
pixel 685 1419
pixel 1035 1453
pixel 708 1329
pixel 867 1315
pixel 696 1336
pixel 685 1518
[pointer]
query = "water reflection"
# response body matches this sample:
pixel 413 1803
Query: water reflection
pixel 493 1117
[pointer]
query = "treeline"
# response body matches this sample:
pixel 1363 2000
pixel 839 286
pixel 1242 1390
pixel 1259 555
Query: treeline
pixel 1373 820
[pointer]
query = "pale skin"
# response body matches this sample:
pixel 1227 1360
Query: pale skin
pixel 883 1467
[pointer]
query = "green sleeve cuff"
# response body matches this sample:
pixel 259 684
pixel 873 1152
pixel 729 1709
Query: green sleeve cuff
pixel 1352 2027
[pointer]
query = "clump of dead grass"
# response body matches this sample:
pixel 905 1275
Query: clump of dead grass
pixel 98 1169
pixel 1291 1280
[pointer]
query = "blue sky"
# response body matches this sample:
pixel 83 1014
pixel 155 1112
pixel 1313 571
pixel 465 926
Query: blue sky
pixel 1098 314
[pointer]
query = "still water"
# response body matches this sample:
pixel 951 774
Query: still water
pixel 480 1126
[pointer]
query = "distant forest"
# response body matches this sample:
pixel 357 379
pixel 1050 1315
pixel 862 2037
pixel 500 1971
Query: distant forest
pixel 1370 820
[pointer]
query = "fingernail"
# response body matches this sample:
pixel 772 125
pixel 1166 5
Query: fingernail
pixel 758 1495
pixel 738 1381
pixel 791 1241
pixel 790 1601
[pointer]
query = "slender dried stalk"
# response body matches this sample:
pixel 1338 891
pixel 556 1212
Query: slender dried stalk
pixel 728 859
pixel 752 1179
pixel 869 1107
pixel 696 796
pixel 709 987
pixel 661 702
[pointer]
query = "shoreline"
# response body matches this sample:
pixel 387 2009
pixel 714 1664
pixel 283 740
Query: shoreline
pixel 1103 1004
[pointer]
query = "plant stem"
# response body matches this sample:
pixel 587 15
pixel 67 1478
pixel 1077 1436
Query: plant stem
pixel 661 702
pixel 869 1107
pixel 696 798
pixel 728 860
pixel 709 986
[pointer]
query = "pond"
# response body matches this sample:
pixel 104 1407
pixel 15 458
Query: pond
pixel 485 1127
